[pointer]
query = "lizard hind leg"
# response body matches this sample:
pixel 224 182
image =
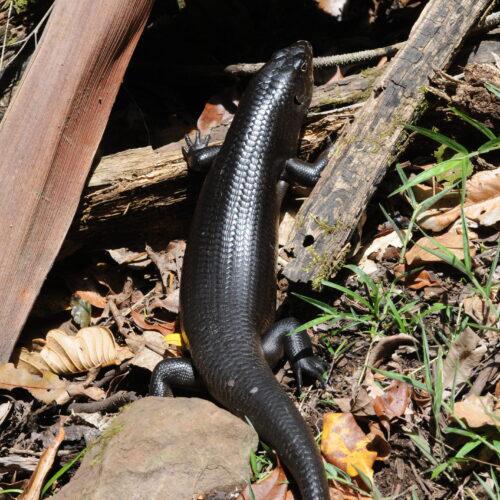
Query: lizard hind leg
pixel 296 348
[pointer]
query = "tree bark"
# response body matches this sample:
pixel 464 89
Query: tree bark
pixel 140 194
pixel 367 147
pixel 49 136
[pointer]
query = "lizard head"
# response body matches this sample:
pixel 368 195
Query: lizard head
pixel 291 68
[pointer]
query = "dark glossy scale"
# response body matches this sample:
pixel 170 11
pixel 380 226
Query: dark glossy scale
pixel 228 289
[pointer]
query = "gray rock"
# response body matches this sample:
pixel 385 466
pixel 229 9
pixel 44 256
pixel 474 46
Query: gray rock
pixel 165 448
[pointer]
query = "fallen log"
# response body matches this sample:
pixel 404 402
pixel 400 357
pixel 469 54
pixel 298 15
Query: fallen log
pixel 48 139
pixel 139 195
pixel 369 145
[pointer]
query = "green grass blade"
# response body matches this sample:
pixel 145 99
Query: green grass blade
pixel 61 471
pixel 318 303
pixel 489 146
pixel 437 400
pixel 438 169
pixel 404 180
pixel 348 292
pixel 404 378
pixel 403 327
pixel 313 322
pixel 494 89
pixel 442 139
pixel 474 436
pixel 423 446
pixel 253 462
pixel 362 276
pixel 491 274
pixel 486 488
pixel 479 126
pixel 425 204
pixel 393 224
pixel 441 468
pixel 467 448
pixel 445 255
pixel 426 357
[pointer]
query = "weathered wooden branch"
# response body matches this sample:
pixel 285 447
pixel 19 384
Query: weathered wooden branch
pixel 140 194
pixel 367 147
pixel 49 136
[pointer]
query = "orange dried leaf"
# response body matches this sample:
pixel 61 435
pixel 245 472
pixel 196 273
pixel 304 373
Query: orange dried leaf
pixel 212 115
pixel 92 297
pixel 422 280
pixel 164 329
pixel 345 445
pixel 273 487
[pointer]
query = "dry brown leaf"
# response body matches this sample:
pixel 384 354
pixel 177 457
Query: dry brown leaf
pixel 339 491
pixel 464 355
pixel 91 347
pixel 273 487
pixel 482 204
pixel 32 362
pixel 92 297
pixel 423 192
pixel 477 411
pixel 34 488
pixel 393 402
pixel 387 345
pixel 133 259
pixel 378 442
pixel 345 445
pixel 164 329
pixel 170 303
pixel 48 388
pixel 421 398
pixel 477 309
pixel 453 241
pixel 79 389
pixel 168 262
pixel 85 286
pixel 377 247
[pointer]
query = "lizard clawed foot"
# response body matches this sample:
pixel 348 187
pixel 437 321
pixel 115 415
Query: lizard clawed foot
pixel 310 366
pixel 189 151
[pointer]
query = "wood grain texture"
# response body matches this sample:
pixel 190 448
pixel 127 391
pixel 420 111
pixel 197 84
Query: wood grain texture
pixel 368 147
pixel 140 194
pixel 49 136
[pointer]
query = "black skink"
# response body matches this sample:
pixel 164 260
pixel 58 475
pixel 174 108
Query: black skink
pixel 228 286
